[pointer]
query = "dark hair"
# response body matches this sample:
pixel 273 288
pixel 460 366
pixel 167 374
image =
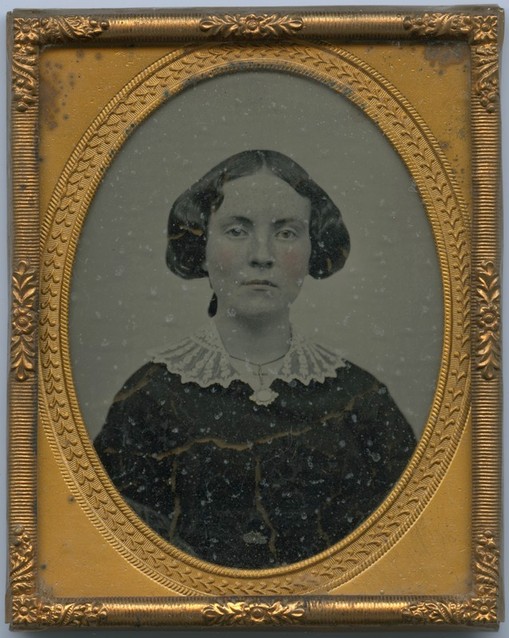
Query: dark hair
pixel 189 215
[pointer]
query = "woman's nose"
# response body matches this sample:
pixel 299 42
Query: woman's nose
pixel 261 252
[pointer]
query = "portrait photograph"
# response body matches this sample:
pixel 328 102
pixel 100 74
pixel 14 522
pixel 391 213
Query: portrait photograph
pixel 256 319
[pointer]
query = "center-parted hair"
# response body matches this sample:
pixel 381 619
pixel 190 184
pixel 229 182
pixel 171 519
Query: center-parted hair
pixel 189 215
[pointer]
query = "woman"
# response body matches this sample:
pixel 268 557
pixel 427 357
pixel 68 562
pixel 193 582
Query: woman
pixel 246 444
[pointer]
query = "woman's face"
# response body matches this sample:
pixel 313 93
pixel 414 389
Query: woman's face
pixel 258 246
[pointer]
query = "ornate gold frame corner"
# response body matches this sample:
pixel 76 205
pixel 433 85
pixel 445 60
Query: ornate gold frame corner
pixel 40 277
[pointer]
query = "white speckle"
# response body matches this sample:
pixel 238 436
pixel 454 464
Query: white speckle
pixel 254 538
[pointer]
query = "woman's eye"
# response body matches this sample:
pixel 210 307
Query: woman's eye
pixel 286 233
pixel 235 231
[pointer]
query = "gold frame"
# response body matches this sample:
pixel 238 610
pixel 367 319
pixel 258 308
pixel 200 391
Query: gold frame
pixel 310 43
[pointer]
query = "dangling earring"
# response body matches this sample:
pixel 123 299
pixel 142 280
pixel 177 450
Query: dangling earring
pixel 213 306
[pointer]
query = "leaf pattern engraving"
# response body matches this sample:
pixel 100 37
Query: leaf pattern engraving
pixel 251 25
pixel 30 612
pixel 488 319
pixel 21 573
pixel 477 29
pixel 486 84
pixel 242 613
pixel 438 25
pixel 24 292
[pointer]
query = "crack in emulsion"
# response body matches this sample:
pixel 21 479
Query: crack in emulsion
pixel 261 510
pixel 221 443
pixel 177 508
pixel 122 395
pixel 348 407
pixel 319 526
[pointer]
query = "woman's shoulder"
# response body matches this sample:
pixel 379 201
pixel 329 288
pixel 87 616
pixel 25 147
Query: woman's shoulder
pixel 355 375
pixel 359 385
pixel 146 376
pixel 139 409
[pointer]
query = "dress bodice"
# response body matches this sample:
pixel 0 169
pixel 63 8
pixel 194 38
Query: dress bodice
pixel 247 485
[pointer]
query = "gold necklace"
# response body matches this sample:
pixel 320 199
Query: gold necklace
pixel 262 396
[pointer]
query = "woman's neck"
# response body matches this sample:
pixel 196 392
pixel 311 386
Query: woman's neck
pixel 257 340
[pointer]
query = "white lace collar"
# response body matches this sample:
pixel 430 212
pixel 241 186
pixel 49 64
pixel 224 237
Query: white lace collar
pixel 201 358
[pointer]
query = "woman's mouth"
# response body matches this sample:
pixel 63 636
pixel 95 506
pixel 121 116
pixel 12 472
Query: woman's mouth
pixel 259 282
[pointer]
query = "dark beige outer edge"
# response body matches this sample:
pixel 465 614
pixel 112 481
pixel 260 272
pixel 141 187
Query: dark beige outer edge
pixel 22 402
pixel 112 27
pixel 485 312
pixel 162 25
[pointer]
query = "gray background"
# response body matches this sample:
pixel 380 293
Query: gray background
pixel 383 310
pixel 5 283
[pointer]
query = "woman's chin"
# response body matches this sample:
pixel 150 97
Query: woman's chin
pixel 257 309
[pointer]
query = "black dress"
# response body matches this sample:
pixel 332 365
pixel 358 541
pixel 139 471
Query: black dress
pixel 254 486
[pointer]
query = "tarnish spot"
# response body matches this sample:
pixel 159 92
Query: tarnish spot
pixel 443 54
pixel 54 92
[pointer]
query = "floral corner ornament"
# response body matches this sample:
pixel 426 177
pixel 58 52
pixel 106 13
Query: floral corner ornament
pixel 31 612
pixel 27 609
pixel 30 34
pixel 477 29
pixel 482 608
pixel 482 32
